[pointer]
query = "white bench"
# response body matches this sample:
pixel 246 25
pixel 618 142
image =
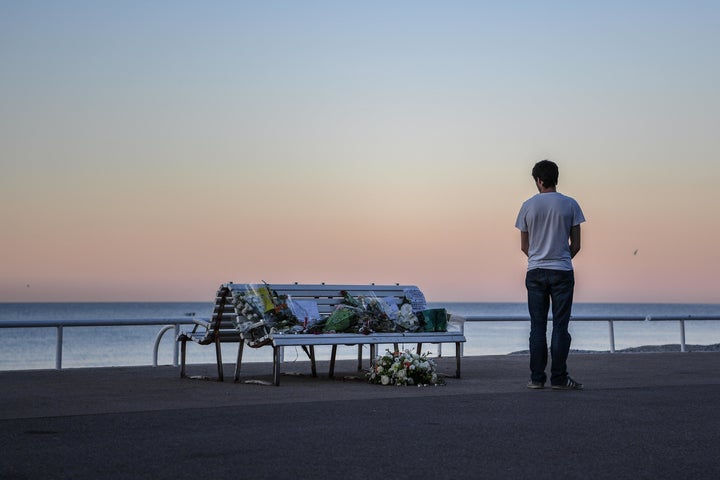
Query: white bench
pixel 221 327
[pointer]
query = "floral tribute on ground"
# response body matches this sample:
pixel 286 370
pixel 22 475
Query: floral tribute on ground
pixel 404 368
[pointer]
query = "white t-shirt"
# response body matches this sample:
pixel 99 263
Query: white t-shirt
pixel 548 218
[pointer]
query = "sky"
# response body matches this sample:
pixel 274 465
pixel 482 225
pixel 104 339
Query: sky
pixel 152 150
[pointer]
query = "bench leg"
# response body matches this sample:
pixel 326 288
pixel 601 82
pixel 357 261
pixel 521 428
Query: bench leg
pixel 333 353
pixel 218 354
pixel 310 352
pixel 360 358
pixel 238 363
pixel 419 348
pixel 183 347
pixel 276 366
pixel 313 366
pixel 458 350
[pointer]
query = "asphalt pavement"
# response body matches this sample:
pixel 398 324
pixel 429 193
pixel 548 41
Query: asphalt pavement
pixel 642 415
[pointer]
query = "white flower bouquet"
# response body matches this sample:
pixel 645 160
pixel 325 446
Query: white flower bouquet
pixel 404 368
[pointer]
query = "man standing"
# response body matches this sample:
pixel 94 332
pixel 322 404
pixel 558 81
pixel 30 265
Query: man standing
pixel 549 225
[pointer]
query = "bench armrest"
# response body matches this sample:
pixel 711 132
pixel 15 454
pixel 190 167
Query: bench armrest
pixel 457 322
pixel 202 322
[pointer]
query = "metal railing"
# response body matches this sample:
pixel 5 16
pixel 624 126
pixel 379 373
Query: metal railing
pixel 681 319
pixel 59 325
pixel 174 324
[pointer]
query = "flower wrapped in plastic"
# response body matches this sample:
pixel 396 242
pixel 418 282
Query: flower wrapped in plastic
pixel 376 316
pixel 373 314
pixel 250 308
pixel 406 320
pixel 404 368
pixel 260 312
pixel 362 314
pixel 343 319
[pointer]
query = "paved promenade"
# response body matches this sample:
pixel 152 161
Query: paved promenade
pixel 641 416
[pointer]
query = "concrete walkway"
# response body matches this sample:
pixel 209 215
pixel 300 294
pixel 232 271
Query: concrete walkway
pixel 649 415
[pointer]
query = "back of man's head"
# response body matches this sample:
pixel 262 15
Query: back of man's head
pixel 547 172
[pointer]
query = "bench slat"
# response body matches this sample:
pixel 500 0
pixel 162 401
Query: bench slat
pixel 359 339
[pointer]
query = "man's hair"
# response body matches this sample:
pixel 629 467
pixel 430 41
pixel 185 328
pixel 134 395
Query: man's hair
pixel 547 172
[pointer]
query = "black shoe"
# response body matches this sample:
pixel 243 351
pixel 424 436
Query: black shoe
pixel 569 384
pixel 535 385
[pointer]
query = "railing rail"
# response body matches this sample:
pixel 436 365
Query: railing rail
pixel 681 319
pixel 59 325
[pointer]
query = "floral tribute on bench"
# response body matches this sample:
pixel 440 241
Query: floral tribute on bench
pixel 263 313
pixel 404 368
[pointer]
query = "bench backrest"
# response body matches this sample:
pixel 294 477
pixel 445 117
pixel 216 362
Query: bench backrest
pixel 327 298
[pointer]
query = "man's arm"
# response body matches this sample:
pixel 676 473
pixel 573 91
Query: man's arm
pixel 574 240
pixel 525 242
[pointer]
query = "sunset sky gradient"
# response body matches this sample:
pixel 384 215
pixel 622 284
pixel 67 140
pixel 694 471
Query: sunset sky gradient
pixel 151 150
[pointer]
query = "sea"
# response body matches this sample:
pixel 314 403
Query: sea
pixel 34 348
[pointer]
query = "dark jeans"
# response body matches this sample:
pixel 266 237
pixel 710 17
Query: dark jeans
pixel 545 287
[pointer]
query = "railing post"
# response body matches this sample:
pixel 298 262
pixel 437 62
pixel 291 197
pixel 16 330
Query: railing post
pixel 682 335
pixel 59 348
pixel 156 347
pixel 176 346
pixel 611 328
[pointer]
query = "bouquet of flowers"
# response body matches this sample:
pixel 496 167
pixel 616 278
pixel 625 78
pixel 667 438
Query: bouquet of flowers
pixel 404 368
pixel 406 320
pixel 369 314
pixel 261 313
pixel 364 314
